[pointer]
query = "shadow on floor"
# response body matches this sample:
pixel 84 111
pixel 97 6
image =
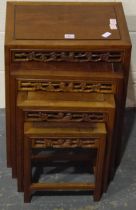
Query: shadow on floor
pixel 129 121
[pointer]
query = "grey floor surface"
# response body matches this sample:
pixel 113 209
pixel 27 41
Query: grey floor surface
pixel 121 193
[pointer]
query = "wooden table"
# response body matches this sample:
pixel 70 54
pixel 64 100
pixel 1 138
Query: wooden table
pixel 66 47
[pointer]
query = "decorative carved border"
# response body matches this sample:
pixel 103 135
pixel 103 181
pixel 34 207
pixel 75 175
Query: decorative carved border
pixel 64 142
pixel 65 116
pixel 66 86
pixel 57 56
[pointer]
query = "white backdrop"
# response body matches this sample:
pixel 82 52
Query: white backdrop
pixel 130 12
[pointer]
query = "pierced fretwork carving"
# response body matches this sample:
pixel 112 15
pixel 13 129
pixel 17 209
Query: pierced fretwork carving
pixel 67 56
pixel 64 116
pixel 64 142
pixel 67 86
